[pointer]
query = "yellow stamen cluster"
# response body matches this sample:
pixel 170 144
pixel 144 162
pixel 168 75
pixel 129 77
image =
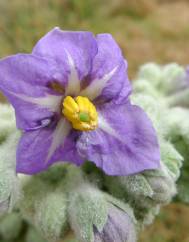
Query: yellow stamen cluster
pixel 81 112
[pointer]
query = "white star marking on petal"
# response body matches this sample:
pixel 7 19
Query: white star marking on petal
pixel 73 87
pixel 59 135
pixel 95 88
pixel 103 124
pixel 50 102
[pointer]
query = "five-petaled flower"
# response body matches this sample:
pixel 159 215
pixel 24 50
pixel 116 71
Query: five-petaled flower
pixel 71 98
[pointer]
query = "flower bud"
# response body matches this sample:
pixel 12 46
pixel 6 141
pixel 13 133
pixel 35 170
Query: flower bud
pixel 150 72
pixel 143 191
pixel 162 184
pixel 171 158
pixel 166 79
pixel 97 217
pixel 173 78
pixel 119 227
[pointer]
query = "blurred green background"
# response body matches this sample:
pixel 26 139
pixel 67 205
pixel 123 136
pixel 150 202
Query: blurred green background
pixel 147 30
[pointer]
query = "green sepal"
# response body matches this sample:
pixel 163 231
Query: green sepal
pixel 88 208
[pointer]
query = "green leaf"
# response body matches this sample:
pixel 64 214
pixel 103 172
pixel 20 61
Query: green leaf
pixel 88 208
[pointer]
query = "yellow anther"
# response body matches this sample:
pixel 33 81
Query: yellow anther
pixel 81 112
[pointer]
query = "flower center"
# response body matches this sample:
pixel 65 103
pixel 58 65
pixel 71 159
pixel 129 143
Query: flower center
pixel 81 112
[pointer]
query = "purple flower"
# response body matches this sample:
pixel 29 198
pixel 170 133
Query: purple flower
pixel 71 98
pixel 119 228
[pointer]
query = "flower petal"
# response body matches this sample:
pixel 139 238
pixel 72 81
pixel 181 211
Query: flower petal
pixel 41 148
pixel 72 50
pixel 119 227
pixel 128 130
pixel 24 80
pixel 109 72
